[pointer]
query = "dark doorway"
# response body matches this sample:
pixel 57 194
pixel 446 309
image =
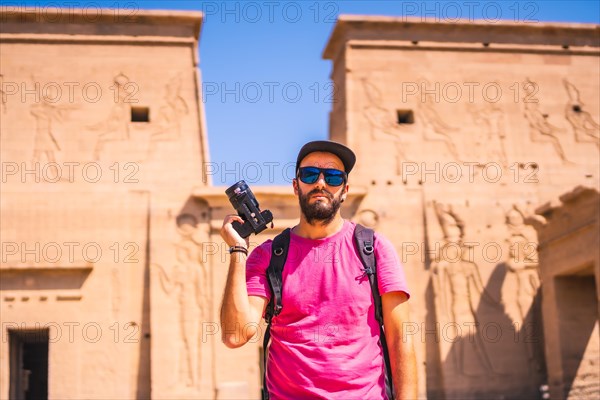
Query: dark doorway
pixel 28 364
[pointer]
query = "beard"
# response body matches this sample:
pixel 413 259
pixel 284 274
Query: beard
pixel 319 211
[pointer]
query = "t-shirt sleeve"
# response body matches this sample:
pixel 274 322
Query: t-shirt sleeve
pixel 390 272
pixel 256 271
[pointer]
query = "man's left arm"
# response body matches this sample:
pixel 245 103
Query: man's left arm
pixel 400 345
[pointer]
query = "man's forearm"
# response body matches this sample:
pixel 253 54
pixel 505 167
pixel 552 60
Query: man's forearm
pixel 404 369
pixel 400 345
pixel 235 309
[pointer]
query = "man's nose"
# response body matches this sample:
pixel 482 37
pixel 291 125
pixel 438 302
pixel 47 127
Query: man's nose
pixel 321 181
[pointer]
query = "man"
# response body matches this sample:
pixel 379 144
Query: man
pixel 325 341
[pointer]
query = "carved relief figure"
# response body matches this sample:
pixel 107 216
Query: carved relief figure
pixel 522 263
pixel 170 113
pixel 188 281
pixel 458 287
pixel 490 118
pixel 116 126
pixel 434 126
pixel 45 113
pixel 381 120
pixel 584 126
pixel 522 278
pixel 541 130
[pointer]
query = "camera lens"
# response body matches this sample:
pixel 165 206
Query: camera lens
pixel 236 193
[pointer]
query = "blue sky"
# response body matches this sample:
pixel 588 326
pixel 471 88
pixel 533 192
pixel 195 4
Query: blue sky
pixel 267 90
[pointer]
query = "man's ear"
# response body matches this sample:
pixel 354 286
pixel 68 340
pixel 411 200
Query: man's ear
pixel 295 184
pixel 345 193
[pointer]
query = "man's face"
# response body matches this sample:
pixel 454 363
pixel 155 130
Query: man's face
pixel 319 201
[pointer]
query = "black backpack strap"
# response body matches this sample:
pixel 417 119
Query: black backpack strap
pixel 279 252
pixel 365 243
pixel 267 337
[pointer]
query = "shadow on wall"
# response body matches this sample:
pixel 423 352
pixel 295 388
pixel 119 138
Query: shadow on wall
pixel 144 381
pixel 435 385
pixel 494 353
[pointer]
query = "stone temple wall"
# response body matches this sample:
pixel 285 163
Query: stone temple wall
pixel 103 141
pixel 461 131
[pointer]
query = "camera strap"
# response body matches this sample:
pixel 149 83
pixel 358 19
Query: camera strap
pixel 365 243
pixel 364 240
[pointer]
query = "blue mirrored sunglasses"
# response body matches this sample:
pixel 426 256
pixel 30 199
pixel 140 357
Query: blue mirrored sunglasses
pixel 333 177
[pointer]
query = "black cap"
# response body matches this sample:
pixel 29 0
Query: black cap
pixel 345 154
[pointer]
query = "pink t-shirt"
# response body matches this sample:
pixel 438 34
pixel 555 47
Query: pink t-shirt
pixel 325 341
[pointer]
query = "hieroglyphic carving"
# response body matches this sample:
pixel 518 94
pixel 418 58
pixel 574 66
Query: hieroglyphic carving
pixel 490 118
pixel 541 130
pixel 116 126
pixel 522 263
pixel 434 126
pixel 188 281
pixel 381 121
pixel 46 113
pixel 584 126
pixel 458 287
pixel 522 281
pixel 170 114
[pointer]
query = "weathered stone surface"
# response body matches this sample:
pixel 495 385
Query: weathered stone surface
pixel 463 131
pixel 102 143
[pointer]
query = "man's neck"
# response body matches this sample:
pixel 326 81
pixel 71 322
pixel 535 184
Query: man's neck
pixel 318 230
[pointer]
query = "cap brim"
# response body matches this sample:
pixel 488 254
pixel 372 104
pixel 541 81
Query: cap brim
pixel 344 153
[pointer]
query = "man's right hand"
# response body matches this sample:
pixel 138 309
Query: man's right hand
pixel 230 235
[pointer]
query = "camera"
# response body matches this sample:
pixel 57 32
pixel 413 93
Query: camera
pixel 243 200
